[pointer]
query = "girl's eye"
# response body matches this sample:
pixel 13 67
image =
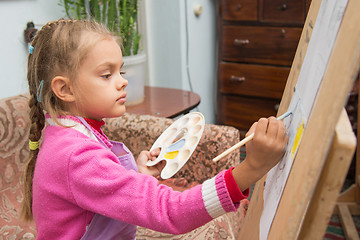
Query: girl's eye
pixel 106 76
pixel 122 73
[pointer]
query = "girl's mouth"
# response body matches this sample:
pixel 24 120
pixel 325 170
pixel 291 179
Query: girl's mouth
pixel 122 99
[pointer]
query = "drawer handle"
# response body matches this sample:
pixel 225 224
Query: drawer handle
pixel 237 79
pixel 284 7
pixel 241 42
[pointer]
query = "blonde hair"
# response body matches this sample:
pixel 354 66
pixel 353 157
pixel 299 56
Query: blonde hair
pixel 58 49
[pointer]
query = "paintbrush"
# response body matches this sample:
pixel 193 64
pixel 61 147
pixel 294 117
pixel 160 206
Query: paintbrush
pixel 245 140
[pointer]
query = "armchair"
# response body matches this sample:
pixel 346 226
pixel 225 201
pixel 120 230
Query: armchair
pixel 138 132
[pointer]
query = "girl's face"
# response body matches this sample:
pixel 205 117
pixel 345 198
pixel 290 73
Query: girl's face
pixel 100 86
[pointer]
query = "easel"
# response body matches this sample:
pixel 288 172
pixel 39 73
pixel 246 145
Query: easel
pixel 328 144
pixel 348 203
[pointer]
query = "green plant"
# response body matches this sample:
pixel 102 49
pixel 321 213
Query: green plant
pixel 120 16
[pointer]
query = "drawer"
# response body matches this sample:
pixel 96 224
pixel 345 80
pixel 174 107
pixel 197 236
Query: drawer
pixel 266 45
pixel 242 112
pixel 252 80
pixel 241 10
pixel 284 11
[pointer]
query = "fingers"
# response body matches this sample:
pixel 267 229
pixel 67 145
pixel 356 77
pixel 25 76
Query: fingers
pixel 145 156
pixel 261 128
pixel 252 129
pixel 282 131
pixel 270 128
pixel 154 153
pixel 273 127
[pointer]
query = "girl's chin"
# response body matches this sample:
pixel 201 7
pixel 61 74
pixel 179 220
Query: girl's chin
pixel 116 111
pixel 120 113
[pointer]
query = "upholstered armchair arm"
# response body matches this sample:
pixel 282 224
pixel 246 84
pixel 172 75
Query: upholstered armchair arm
pixel 139 132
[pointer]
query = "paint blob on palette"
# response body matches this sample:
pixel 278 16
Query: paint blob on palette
pixel 178 142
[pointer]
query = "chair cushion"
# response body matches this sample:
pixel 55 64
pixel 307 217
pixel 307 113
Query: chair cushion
pixel 14 152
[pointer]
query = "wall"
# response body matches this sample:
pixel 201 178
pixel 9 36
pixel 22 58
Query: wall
pixel 14 14
pixel 182 48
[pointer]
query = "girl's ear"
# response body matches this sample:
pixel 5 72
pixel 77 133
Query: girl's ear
pixel 63 88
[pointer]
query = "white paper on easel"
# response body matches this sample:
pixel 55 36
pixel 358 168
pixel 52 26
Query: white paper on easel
pixel 312 71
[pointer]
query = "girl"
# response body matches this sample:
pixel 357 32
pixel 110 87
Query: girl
pixel 80 185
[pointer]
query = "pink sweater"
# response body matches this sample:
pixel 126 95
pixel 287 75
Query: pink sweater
pixel 75 177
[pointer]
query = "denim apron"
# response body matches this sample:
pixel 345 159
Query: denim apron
pixel 101 227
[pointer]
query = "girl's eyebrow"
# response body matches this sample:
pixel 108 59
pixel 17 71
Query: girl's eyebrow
pixel 108 64
pixel 105 64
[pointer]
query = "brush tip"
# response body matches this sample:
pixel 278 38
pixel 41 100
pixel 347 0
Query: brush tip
pixel 285 115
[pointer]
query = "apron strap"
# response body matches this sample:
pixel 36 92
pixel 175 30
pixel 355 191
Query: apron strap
pixel 87 125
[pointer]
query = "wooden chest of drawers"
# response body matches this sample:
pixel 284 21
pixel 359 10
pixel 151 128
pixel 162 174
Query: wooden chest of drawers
pixel 257 43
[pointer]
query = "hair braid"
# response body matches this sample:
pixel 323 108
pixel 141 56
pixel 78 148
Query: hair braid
pixel 37 119
pixel 37 124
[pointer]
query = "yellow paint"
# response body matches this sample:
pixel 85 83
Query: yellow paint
pixel 297 139
pixel 171 155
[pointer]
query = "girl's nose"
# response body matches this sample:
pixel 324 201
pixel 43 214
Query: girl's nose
pixel 122 82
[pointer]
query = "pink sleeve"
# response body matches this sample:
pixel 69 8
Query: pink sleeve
pixel 99 184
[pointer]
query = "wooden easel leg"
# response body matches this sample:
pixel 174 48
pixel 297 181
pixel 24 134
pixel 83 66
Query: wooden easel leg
pixel 347 222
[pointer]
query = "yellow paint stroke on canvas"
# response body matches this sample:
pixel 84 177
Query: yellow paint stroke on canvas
pixel 297 139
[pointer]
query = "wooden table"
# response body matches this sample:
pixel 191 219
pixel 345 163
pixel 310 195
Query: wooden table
pixel 165 102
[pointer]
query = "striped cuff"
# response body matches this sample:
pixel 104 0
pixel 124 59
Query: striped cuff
pixel 216 197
